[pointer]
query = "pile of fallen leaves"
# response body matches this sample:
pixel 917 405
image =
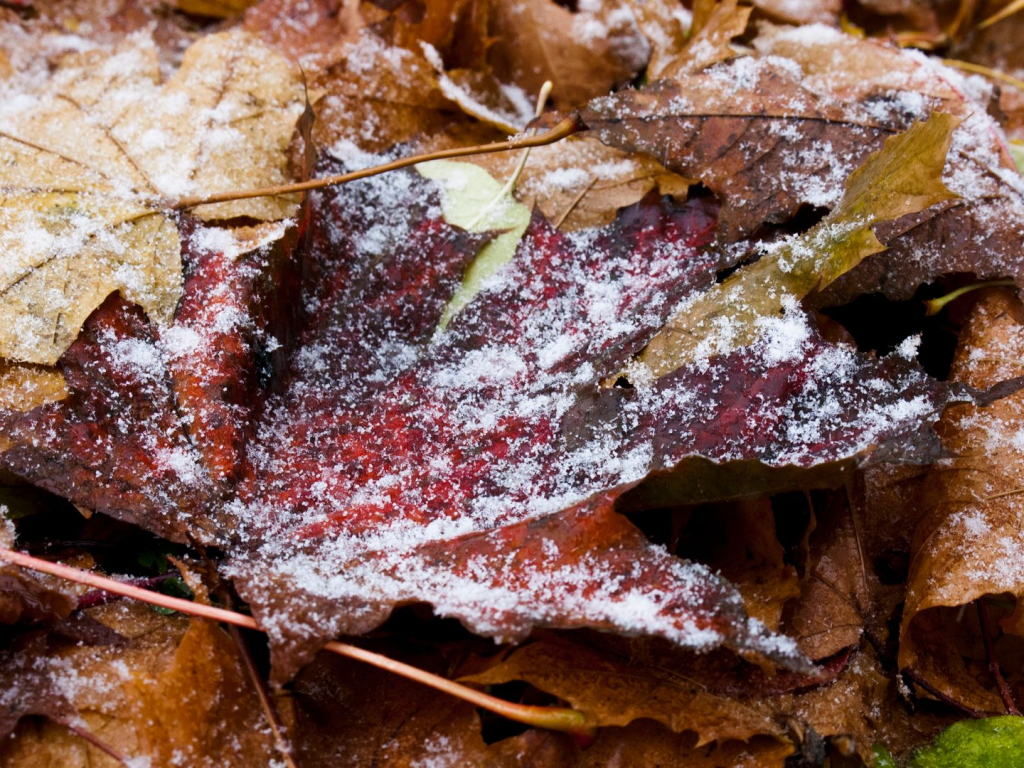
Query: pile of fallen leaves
pixel 682 424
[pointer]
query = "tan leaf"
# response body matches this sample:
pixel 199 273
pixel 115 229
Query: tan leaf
pixel 665 24
pixel 24 387
pixel 611 692
pixel 970 541
pixel 581 183
pixel 90 160
pixel 712 42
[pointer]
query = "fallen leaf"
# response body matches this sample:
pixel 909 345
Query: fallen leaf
pixel 580 183
pixel 347 713
pixel 785 126
pixel 584 53
pixel 177 688
pixel 904 177
pixel 647 743
pixel 968 543
pixel 709 44
pixel 610 692
pixel 24 387
pixel 829 614
pixel 85 216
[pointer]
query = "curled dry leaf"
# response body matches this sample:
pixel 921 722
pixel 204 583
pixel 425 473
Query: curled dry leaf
pixel 969 541
pixel 709 44
pixel 91 158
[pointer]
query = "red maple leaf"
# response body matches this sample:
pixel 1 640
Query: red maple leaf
pixel 372 461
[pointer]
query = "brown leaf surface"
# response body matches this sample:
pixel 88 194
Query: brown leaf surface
pixel 611 692
pixel 351 714
pixel 969 542
pixel 828 616
pixel 176 691
pixel 584 54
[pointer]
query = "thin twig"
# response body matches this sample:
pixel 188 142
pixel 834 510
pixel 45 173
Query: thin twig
pixel 993 665
pixel 978 69
pixel 567 127
pixel 553 718
pixel 911 674
pixel 575 202
pixel 92 738
pixel 269 712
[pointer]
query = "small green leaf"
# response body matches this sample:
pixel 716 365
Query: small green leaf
pixel 997 742
pixel 174 587
pixel 904 177
pixel 473 199
pixel 154 560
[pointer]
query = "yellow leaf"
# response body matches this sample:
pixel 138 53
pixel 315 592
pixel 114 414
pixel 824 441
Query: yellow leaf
pixel 89 162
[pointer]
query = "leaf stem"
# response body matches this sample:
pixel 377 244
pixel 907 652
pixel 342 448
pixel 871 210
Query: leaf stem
pixel 567 127
pixel 553 718
pixel 1008 10
pixel 934 306
pixel 913 676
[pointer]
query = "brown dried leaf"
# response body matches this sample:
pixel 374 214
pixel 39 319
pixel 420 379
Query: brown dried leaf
pixel 610 691
pixel 647 743
pixel 711 43
pixel 998 47
pixel 738 540
pixel 349 713
pixel 828 616
pixel 785 126
pixel 584 54
pixel 176 688
pixel 969 542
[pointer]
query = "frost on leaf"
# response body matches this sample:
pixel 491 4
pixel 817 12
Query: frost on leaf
pixel 93 158
pixel 787 124
pixel 467 470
